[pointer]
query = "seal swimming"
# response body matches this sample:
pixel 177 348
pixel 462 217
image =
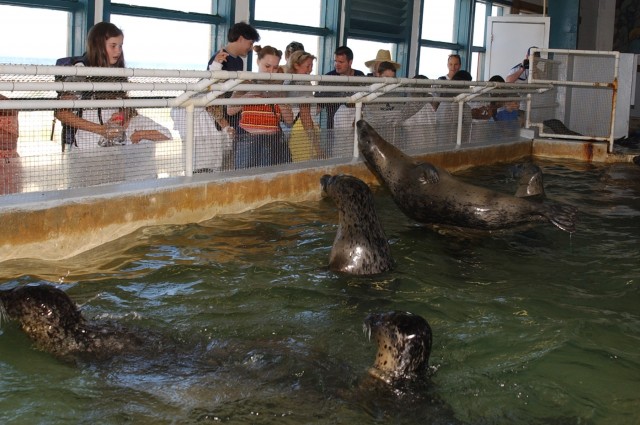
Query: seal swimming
pixel 429 194
pixel 54 323
pixel 360 246
pixel 404 343
pixel 530 181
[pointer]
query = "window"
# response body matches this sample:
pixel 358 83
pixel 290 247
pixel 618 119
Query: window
pixel 439 20
pixel 280 40
pixel 21 44
pixel 433 62
pixel 364 51
pixel 307 13
pixel 280 22
pixel 167 33
pixel 478 48
pixel 479 24
pixel 196 6
pixel 161 43
pixel 439 37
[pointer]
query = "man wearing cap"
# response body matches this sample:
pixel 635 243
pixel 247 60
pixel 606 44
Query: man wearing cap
pixel 382 56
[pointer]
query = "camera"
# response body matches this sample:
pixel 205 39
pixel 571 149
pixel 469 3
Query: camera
pixel 525 64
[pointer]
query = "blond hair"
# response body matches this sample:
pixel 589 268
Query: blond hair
pixel 296 59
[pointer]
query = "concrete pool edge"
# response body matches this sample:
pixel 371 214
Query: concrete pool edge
pixel 65 224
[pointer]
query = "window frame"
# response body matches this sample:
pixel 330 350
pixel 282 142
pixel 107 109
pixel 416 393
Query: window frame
pixel 81 13
pixel 327 31
pixel 219 21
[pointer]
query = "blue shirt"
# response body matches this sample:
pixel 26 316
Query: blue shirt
pixel 504 115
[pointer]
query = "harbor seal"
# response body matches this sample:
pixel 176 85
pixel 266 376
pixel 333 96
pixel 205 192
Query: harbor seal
pixel 429 194
pixel 55 325
pixel 360 246
pixel 558 127
pixel 404 345
pixel 530 181
pixel 398 384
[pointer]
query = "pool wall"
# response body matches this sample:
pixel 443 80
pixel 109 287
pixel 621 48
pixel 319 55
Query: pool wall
pixel 61 221
pixel 62 224
pixel 65 223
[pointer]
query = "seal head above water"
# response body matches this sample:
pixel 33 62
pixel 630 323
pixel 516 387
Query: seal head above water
pixel 530 181
pixel 404 345
pixel 360 246
pixel 54 323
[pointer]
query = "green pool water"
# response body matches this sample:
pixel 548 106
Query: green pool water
pixel 530 326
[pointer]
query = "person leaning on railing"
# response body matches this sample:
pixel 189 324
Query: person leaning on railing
pixel 104 49
pixel 259 138
pixel 488 110
pixel 241 37
pixel 9 131
pixel 304 136
pixel 10 180
pixel 103 127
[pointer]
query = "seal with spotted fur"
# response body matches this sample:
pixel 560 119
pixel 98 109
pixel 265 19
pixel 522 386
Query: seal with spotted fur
pixel 54 323
pixel 404 345
pixel 429 194
pixel 360 246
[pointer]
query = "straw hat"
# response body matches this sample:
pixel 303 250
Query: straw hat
pixel 382 56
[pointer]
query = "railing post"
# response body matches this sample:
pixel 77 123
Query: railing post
pixel 356 151
pixel 459 133
pixel 188 143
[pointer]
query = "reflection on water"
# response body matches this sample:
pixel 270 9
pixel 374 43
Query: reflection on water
pixel 530 326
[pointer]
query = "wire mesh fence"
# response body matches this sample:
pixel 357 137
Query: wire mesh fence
pixel 581 103
pixel 75 127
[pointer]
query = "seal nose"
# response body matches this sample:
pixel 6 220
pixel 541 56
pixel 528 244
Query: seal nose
pixel 363 127
pixel 324 181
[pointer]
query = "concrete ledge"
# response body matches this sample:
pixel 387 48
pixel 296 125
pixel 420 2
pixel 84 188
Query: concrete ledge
pixel 59 225
pixel 580 150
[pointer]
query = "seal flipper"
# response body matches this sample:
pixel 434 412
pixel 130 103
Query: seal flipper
pixel 562 216
pixel 430 174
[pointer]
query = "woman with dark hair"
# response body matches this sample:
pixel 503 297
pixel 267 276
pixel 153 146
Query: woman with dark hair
pixel 104 49
pixel 97 135
pixel 104 46
pixel 108 126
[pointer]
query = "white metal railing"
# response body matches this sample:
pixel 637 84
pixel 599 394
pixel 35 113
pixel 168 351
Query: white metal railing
pixel 584 94
pixel 33 90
